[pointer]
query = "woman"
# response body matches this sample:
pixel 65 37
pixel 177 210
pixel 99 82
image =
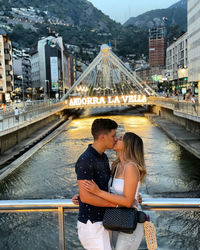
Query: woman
pixel 130 172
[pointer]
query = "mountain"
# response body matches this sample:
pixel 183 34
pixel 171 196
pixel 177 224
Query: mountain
pixel 77 21
pixel 174 15
pixel 81 24
pixel 73 12
pixel 180 4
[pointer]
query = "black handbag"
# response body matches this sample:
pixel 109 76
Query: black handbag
pixel 120 218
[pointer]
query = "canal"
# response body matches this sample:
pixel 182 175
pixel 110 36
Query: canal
pixel 172 172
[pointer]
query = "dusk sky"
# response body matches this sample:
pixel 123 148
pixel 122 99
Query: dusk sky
pixel 121 10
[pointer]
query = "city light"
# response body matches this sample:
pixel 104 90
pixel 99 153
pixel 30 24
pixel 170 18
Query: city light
pixel 82 89
pixel 124 99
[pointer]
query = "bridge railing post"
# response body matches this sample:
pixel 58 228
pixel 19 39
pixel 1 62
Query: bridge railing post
pixel 61 228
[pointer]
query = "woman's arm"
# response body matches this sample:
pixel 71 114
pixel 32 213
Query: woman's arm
pixel 91 198
pixel 131 178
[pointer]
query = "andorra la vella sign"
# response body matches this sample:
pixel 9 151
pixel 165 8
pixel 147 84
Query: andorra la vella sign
pixel 106 100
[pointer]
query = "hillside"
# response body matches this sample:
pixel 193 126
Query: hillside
pixel 73 12
pixel 79 23
pixel 174 15
pixel 27 21
pixel 180 4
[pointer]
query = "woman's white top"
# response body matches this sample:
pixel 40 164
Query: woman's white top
pixel 118 187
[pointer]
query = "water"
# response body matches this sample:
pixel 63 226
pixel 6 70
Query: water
pixel 172 172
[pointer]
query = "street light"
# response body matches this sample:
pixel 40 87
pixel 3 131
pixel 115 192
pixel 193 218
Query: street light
pixel 61 84
pixel 47 88
pixel 21 77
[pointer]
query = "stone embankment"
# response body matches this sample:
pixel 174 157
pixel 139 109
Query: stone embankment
pixel 178 133
pixel 17 155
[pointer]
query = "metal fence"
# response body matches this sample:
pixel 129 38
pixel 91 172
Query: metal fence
pixel 27 113
pixel 38 108
pixel 187 108
pixel 66 205
pixel 184 107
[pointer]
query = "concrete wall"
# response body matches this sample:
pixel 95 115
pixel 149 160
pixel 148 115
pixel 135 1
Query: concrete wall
pixel 11 139
pixel 168 114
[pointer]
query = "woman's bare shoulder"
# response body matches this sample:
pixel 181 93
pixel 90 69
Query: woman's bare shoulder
pixel 132 166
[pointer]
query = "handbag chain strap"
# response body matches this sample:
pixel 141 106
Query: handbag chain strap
pixel 113 175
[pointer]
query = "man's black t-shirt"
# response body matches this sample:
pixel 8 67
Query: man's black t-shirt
pixel 92 166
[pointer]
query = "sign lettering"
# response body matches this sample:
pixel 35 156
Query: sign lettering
pixel 125 99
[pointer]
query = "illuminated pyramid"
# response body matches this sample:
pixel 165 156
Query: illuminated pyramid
pixel 107 75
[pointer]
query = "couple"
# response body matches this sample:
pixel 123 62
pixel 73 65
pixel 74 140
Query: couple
pixel 93 175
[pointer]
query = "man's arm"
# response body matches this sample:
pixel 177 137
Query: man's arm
pixel 92 199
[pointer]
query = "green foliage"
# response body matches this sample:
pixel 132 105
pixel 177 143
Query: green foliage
pixel 77 12
pixel 24 36
pixel 173 32
pixel 5 5
pixel 133 41
pixel 2 20
pixel 128 40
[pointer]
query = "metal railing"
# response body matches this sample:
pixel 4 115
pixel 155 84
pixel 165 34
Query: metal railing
pixel 64 205
pixel 9 120
pixel 184 107
pixel 187 108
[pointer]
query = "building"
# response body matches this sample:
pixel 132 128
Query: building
pixel 6 69
pixel 141 63
pixel 145 74
pixel 157 47
pixel 22 74
pixel 49 67
pixel 177 64
pixel 151 76
pixel 194 44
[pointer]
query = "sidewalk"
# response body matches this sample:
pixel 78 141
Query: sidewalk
pixel 179 134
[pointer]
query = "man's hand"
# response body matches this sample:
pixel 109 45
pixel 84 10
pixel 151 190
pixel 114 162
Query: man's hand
pixel 75 199
pixel 135 202
pixel 139 200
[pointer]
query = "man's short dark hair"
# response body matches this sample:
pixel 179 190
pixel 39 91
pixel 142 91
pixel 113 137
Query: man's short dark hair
pixel 101 125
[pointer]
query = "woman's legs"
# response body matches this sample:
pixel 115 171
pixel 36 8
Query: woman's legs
pixel 130 241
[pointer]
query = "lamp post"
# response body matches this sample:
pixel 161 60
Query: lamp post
pixel 60 88
pixel 21 77
pixel 47 89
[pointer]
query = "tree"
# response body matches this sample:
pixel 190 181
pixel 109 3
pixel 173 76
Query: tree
pixel 25 37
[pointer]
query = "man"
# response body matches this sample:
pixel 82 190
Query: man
pixel 16 114
pixel 188 95
pixel 193 103
pixel 93 165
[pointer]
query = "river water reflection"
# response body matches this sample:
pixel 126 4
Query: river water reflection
pixel 172 172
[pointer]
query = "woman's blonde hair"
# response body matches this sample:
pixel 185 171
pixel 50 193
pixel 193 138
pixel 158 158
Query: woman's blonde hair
pixel 133 151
